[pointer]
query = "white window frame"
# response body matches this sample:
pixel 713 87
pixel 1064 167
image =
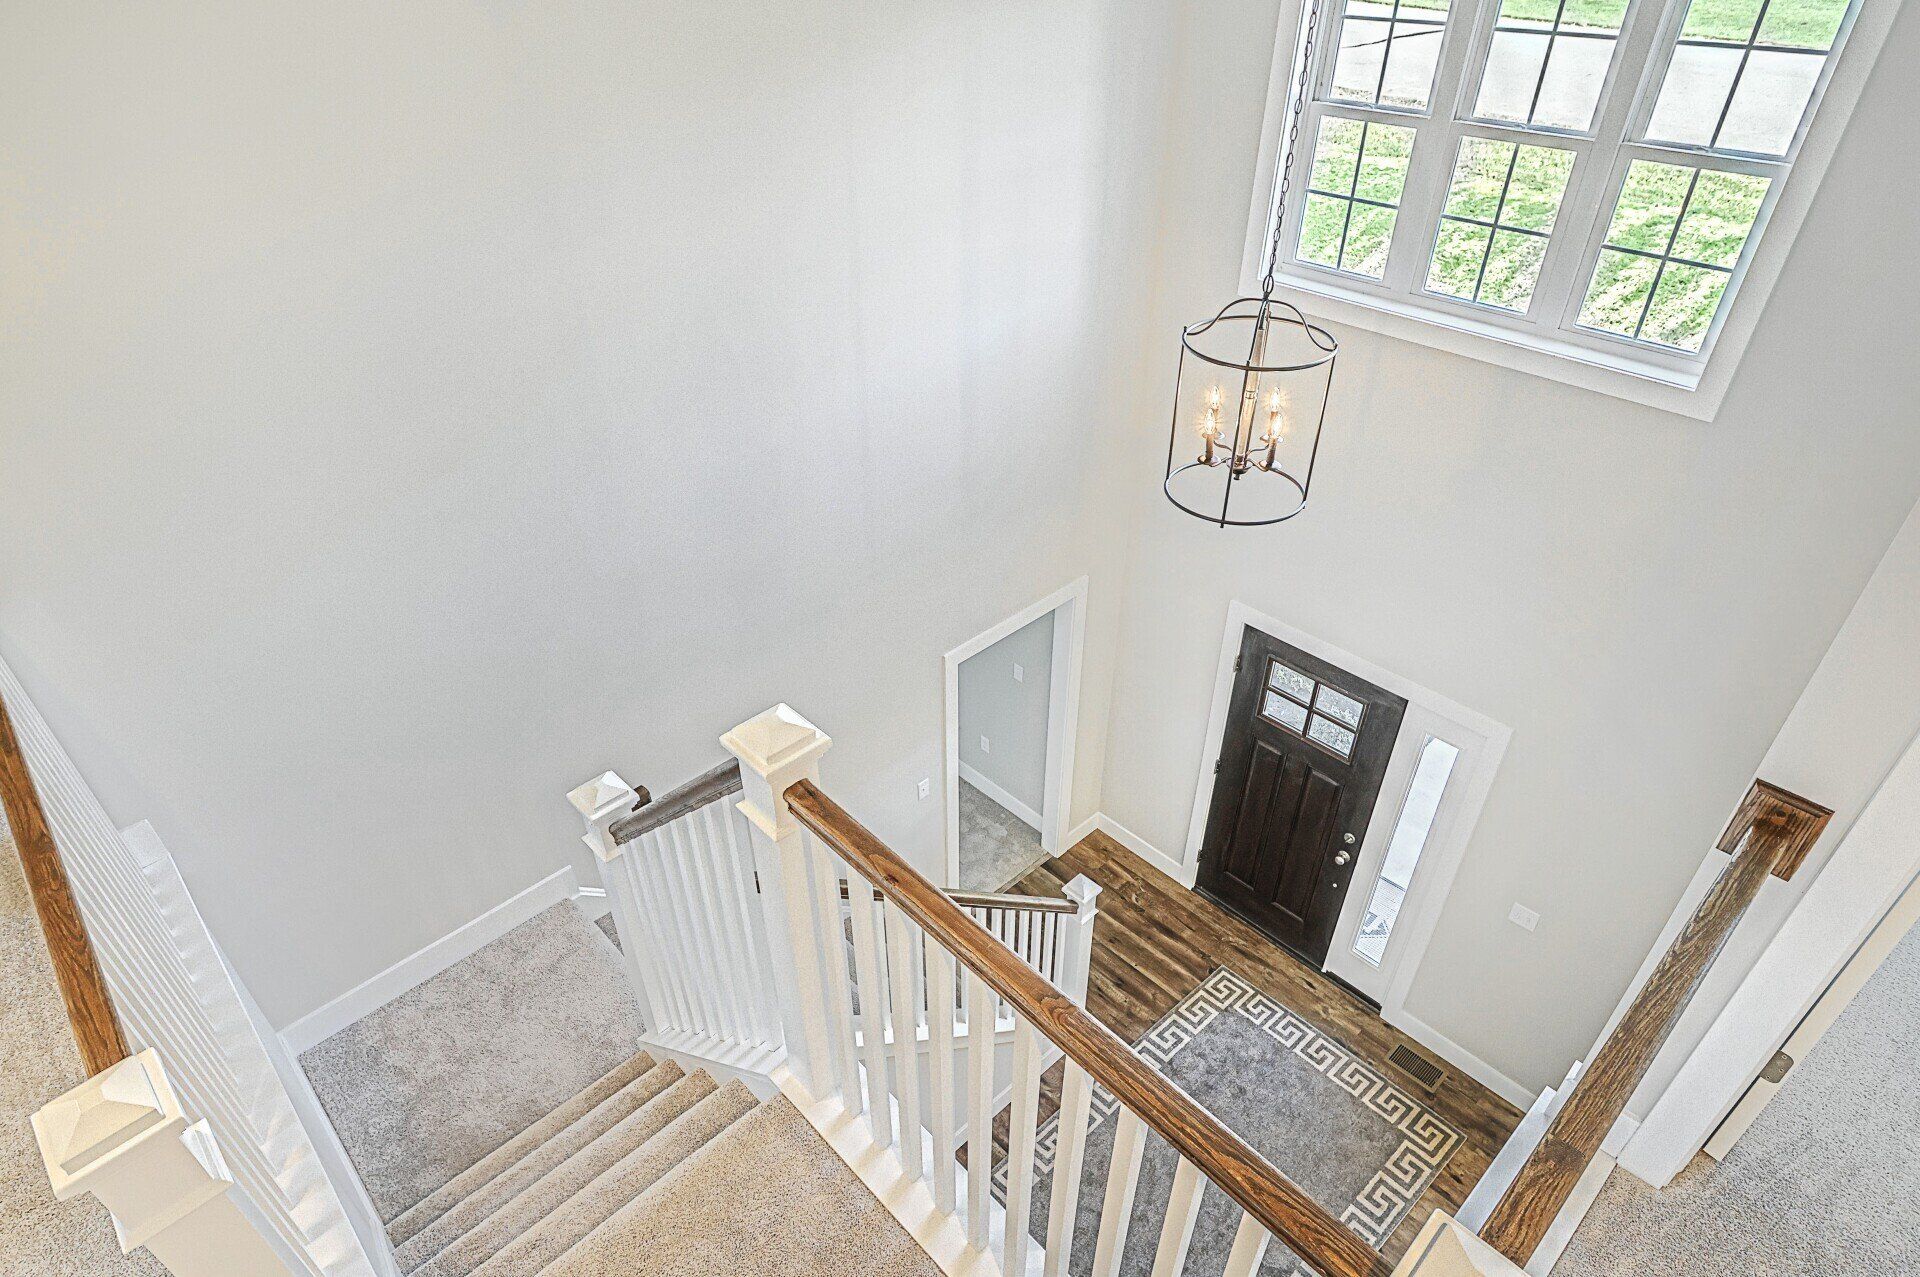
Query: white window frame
pixel 1541 344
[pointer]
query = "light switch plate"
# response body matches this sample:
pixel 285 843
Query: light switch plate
pixel 1019 673
pixel 985 746
pixel 926 787
pixel 1522 917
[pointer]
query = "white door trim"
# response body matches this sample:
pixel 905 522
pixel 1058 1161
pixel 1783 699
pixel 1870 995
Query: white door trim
pixel 1482 742
pixel 1069 606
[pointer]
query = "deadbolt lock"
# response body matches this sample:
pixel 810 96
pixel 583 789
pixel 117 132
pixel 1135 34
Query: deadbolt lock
pixel 1347 839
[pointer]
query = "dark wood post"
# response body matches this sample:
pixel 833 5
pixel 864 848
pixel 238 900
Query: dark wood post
pixel 1770 835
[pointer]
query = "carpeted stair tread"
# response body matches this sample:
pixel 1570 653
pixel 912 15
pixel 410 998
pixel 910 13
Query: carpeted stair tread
pixel 593 1205
pixel 543 1196
pixel 536 1162
pixel 767 1196
pixel 417 1217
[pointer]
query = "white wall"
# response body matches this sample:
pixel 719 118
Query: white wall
pixel 1640 597
pixel 1854 721
pixel 410 410
pixel 1011 714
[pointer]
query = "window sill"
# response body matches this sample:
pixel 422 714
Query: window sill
pixel 1655 383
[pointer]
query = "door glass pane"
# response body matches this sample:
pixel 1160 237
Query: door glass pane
pixel 1326 732
pixel 1284 712
pixel 1290 680
pixel 1338 705
pixel 1409 840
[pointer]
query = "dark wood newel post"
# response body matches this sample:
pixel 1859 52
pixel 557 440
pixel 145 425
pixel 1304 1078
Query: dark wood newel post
pixel 75 966
pixel 1770 835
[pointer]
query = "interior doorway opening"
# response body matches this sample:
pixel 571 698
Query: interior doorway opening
pixel 1011 697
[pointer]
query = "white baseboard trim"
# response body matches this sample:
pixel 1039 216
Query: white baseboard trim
pixel 1464 1060
pixel 315 1027
pixel 1168 865
pixel 972 776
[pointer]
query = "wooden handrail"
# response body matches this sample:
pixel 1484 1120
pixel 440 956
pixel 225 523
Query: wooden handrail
pixel 1281 1206
pixel 1770 835
pixel 690 797
pixel 75 967
pixel 992 900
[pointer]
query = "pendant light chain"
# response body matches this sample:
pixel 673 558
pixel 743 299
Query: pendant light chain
pixel 1297 109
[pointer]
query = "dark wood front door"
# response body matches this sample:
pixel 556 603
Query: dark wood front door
pixel 1300 766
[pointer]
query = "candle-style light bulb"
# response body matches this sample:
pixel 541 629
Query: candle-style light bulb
pixel 1211 426
pixel 1276 425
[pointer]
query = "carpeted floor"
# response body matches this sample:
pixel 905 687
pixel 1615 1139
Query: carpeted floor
pixel 1363 1147
pixel 996 846
pixel 1825 1183
pixel 441 1076
pixel 40 1237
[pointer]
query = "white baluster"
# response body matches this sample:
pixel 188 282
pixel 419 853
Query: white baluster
pixel 1249 1248
pixel 1076 950
pixel 740 863
pixel 1076 1097
pixel 777 748
pixel 940 1012
pixel 981 1017
pixel 1020 1141
pixel 600 802
pixel 729 1007
pixel 122 1136
pixel 663 929
pixel 903 964
pixel 1123 1182
pixel 871 974
pixel 1176 1231
pixel 825 876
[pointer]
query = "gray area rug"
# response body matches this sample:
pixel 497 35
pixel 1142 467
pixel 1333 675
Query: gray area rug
pixel 1357 1143
pixel 996 846
pixel 1823 1185
pixel 445 1073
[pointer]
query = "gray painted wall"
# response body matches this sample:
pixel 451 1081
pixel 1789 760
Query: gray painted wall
pixel 1011 715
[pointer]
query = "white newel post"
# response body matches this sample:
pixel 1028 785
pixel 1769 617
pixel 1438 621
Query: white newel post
pixel 776 748
pixel 1085 893
pixel 122 1136
pixel 600 802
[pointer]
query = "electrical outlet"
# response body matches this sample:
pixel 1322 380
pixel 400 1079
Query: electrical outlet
pixel 1019 673
pixel 926 787
pixel 1523 917
pixel 986 746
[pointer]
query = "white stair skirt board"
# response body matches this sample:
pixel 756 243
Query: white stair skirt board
pixel 1013 805
pixel 907 1199
pixel 370 995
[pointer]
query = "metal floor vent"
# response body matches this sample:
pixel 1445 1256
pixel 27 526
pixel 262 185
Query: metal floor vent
pixel 1426 1073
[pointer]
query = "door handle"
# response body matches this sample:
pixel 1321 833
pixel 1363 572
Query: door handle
pixel 1341 858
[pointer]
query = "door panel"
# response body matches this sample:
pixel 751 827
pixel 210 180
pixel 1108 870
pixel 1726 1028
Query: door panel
pixel 1300 768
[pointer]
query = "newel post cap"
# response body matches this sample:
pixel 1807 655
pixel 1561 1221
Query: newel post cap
pixel 81 1132
pixel 604 793
pixel 1083 891
pixel 1446 1248
pixel 776 747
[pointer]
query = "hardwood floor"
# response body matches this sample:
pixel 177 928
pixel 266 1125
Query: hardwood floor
pixel 1156 941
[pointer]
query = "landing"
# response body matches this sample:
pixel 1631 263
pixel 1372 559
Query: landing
pixel 441 1076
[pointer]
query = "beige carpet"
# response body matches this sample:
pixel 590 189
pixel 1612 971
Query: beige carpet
pixel 443 1075
pixel 1826 1182
pixel 996 846
pixel 40 1237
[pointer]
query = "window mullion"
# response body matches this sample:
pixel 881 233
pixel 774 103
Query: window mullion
pixel 1434 145
pixel 1588 205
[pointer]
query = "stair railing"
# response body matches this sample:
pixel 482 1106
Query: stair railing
pixel 182 1129
pixel 920 949
pixel 698 934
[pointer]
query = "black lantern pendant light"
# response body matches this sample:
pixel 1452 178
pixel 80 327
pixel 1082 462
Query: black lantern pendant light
pixel 1252 389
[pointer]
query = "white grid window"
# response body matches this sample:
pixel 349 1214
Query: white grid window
pixel 1589 177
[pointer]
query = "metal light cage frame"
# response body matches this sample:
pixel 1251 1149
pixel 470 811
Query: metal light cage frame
pixel 1261 315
